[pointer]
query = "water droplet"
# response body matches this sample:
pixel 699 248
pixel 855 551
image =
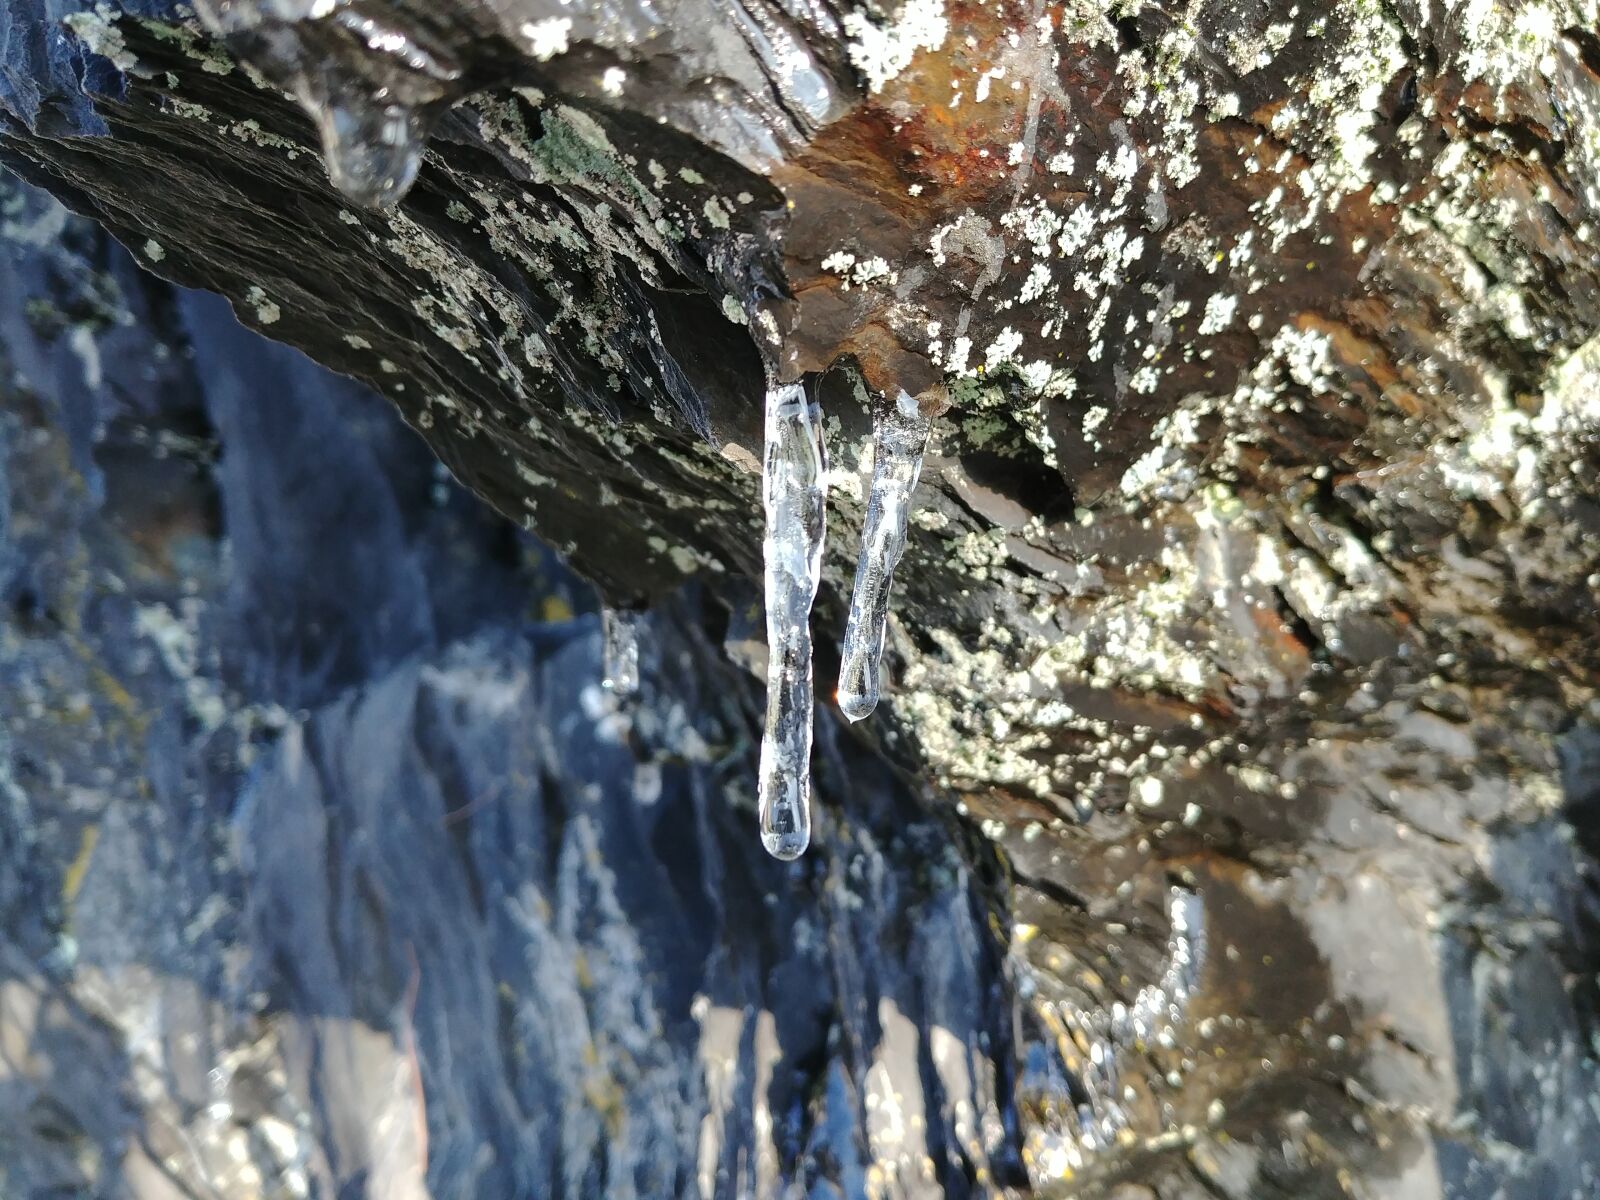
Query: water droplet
pixel 373 150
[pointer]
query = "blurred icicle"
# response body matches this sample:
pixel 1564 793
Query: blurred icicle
pixel 619 634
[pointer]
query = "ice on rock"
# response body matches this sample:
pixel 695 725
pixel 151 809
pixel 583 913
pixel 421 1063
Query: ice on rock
pixel 373 150
pixel 619 634
pixel 795 495
pixel 368 79
pixel 900 434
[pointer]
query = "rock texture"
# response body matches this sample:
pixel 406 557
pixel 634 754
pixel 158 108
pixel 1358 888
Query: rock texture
pixel 1248 606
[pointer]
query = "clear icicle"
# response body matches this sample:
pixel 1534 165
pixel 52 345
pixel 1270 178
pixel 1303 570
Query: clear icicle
pixel 619 638
pixel 367 77
pixel 373 150
pixel 899 438
pixel 795 494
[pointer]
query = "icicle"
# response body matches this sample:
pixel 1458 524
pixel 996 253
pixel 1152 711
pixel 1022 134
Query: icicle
pixel 367 78
pixel 795 495
pixel 899 437
pixel 619 638
pixel 373 150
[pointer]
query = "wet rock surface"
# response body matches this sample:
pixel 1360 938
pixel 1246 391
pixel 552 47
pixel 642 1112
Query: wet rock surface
pixel 1248 597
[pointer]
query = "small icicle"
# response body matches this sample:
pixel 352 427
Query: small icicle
pixel 900 435
pixel 619 641
pixel 369 78
pixel 373 149
pixel 795 494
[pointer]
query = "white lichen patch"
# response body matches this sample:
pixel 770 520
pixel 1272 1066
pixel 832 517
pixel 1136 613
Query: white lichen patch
pixel 856 272
pixel 1218 315
pixel 1343 91
pixel 1502 44
pixel 267 312
pixel 1571 404
pixel 98 31
pixel 881 51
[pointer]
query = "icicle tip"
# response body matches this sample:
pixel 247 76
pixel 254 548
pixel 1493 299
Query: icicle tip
pixel 857 698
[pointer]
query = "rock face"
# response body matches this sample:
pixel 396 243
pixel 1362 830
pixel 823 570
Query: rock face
pixel 1248 599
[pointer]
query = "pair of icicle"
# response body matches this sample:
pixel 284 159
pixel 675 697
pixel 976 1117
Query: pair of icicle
pixel 794 490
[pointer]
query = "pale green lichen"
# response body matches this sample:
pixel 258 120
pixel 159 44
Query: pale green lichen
pixel 98 31
pixel 266 310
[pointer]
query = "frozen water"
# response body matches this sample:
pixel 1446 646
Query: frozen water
pixel 900 435
pixel 795 497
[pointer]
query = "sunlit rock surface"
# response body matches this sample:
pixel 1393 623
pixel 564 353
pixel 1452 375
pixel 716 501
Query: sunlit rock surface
pixel 1254 560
